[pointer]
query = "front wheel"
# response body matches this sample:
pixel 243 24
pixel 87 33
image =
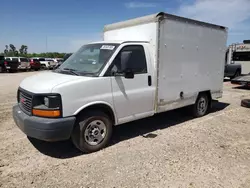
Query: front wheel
pixel 92 131
pixel 201 105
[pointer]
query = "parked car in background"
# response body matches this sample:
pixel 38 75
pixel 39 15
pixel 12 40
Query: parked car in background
pixel 6 64
pixel 35 64
pixel 51 63
pixel 66 56
pixel 46 63
pixel 232 70
pixel 59 61
pixel 23 62
pixel 42 61
pixel 2 65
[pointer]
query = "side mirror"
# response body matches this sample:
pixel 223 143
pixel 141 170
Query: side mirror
pixel 129 74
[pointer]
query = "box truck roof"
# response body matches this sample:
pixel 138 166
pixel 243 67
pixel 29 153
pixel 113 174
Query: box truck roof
pixel 155 18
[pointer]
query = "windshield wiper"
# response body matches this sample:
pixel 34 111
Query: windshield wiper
pixel 72 71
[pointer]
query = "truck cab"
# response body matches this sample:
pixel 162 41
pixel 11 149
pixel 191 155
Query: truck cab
pixel 60 96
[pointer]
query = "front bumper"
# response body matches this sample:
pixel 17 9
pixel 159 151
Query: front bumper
pixel 23 68
pixel 11 68
pixel 47 129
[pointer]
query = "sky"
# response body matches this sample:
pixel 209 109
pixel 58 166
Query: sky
pixel 68 24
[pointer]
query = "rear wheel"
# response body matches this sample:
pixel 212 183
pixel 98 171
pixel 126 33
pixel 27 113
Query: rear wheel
pixel 245 103
pixel 1 69
pixel 201 105
pixel 92 131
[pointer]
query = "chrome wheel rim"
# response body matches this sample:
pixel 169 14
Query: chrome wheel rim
pixel 95 132
pixel 202 105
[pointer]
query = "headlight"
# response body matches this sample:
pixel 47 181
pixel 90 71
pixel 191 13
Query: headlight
pixel 47 106
pixel 46 101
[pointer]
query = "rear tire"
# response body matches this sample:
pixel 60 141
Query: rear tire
pixel 1 69
pixel 92 131
pixel 201 106
pixel 245 103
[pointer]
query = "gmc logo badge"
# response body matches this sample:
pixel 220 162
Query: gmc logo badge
pixel 23 100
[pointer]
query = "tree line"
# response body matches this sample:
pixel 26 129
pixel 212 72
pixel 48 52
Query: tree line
pixel 12 51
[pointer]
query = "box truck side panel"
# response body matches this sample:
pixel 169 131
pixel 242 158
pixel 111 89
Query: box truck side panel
pixel 191 60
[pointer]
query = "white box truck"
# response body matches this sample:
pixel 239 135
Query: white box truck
pixel 144 66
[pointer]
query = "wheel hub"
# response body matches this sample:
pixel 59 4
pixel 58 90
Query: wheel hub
pixel 202 105
pixel 95 132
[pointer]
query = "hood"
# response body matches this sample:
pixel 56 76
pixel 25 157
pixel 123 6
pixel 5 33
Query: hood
pixel 45 82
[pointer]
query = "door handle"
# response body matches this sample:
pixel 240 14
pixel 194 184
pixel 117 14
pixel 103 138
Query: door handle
pixel 149 80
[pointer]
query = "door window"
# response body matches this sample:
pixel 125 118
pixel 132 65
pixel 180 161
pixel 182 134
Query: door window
pixel 136 63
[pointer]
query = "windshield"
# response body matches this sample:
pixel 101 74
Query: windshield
pixel 24 60
pixel 89 59
pixel 41 59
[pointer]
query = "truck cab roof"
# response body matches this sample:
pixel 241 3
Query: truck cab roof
pixel 118 42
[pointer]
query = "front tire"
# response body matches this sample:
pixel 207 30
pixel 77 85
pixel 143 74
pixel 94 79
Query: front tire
pixel 92 131
pixel 201 105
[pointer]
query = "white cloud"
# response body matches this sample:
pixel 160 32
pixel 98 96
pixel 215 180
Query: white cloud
pixel 140 5
pixel 234 14
pixel 230 13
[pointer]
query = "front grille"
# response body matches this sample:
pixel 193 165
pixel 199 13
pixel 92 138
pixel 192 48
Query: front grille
pixel 25 101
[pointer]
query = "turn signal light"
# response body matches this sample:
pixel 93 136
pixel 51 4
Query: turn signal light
pixel 46 113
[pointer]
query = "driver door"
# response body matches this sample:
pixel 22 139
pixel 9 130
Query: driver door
pixel 132 96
